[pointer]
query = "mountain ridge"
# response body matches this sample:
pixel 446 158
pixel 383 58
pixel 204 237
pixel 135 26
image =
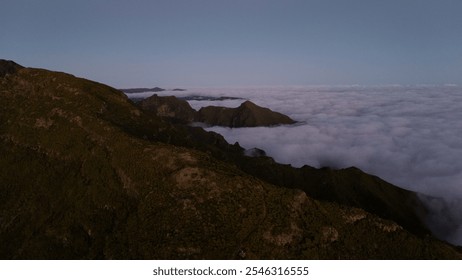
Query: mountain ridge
pixel 248 114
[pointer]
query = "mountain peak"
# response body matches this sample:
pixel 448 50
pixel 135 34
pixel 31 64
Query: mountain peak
pixel 8 67
pixel 248 104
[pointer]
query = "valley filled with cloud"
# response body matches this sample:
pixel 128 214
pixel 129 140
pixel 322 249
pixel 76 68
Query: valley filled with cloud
pixel 410 136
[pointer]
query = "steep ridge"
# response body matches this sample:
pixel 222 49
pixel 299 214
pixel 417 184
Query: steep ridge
pixel 88 175
pixel 349 186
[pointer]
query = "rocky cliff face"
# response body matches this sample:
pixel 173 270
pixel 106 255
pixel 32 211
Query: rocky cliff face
pixel 86 174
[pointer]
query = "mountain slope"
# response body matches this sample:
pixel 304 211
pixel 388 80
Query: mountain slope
pixel 88 175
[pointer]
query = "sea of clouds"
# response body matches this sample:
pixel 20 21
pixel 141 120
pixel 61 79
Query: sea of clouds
pixel 410 136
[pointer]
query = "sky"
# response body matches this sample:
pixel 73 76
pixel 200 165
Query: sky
pixel 236 43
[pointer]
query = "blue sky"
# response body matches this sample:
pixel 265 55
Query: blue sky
pixel 237 43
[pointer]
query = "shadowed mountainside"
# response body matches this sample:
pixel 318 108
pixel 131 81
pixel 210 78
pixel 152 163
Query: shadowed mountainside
pixel 86 174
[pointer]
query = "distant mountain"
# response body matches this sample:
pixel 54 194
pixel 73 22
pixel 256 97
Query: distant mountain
pixel 209 98
pixel 247 114
pixel 87 174
pixel 141 90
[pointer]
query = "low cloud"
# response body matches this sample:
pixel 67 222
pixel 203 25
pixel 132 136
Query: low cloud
pixel 409 136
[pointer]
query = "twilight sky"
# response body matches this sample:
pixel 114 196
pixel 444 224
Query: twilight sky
pixel 238 42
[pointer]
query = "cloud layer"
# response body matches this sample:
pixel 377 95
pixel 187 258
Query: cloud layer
pixel 409 136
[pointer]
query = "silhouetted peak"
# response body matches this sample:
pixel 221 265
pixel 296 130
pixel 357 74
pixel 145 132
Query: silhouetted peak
pixel 248 104
pixel 8 67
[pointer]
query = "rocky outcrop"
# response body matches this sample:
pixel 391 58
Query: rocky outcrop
pixel 86 174
pixel 247 114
